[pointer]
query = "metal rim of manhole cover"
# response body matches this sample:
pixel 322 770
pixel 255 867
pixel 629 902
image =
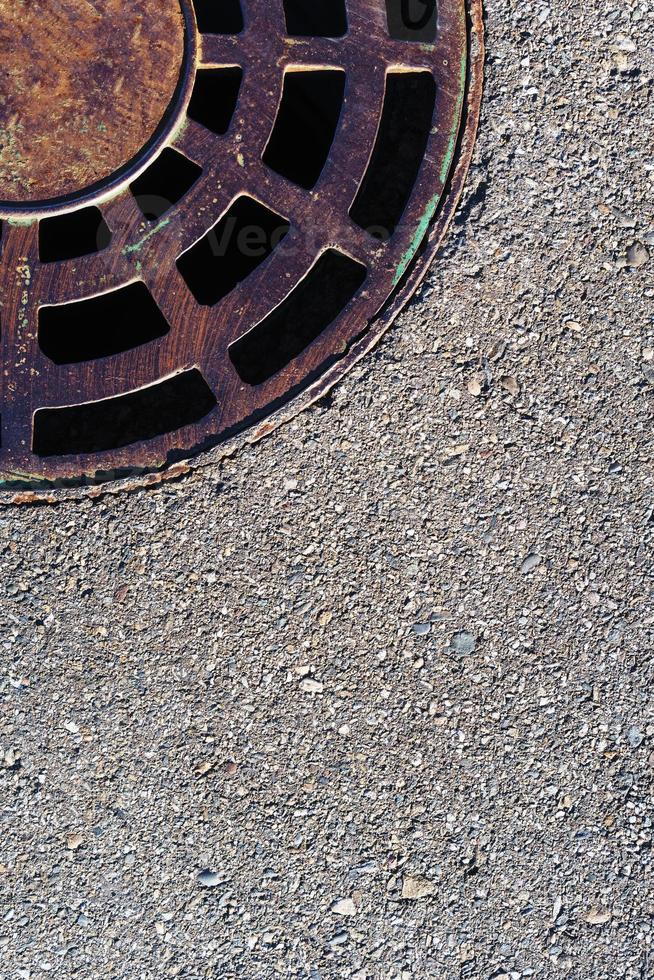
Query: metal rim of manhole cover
pixel 210 209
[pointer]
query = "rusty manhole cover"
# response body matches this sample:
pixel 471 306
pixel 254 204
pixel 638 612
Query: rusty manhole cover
pixel 210 210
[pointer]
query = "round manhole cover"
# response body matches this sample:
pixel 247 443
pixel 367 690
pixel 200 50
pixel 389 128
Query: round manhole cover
pixel 210 210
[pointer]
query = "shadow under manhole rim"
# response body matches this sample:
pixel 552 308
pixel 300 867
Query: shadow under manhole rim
pixel 266 248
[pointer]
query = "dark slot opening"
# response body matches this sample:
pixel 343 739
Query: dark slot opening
pixel 100 326
pixel 412 20
pixel 218 16
pixel 140 415
pixel 312 306
pixel 315 18
pixel 230 251
pixel 306 124
pixel 215 94
pixel 69 236
pixel 164 183
pixel 398 152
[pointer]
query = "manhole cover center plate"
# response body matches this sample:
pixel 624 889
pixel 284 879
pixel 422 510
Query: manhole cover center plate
pixel 84 85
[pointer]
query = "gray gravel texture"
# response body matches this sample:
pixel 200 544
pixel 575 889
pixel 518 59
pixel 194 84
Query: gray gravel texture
pixel 373 698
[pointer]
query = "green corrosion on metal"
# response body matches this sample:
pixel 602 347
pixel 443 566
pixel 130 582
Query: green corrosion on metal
pixel 130 249
pixel 430 210
pixel 421 231
pixel 18 478
pixel 454 135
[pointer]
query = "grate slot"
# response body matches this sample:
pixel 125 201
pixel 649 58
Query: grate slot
pixel 114 422
pixel 412 20
pixel 300 319
pixel 164 183
pixel 218 16
pixel 304 130
pixel 315 18
pixel 231 251
pixel 214 99
pixel 101 326
pixel 70 236
pixel 398 153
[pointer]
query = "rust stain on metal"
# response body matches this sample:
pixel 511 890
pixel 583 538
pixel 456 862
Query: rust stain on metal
pixel 84 84
pixel 136 54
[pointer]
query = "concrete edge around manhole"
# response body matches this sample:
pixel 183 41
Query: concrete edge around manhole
pixel 22 492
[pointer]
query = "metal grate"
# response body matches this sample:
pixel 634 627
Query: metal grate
pixel 301 171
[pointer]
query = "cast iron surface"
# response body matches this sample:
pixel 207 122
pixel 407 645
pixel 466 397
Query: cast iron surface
pixel 147 251
pixel 83 87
